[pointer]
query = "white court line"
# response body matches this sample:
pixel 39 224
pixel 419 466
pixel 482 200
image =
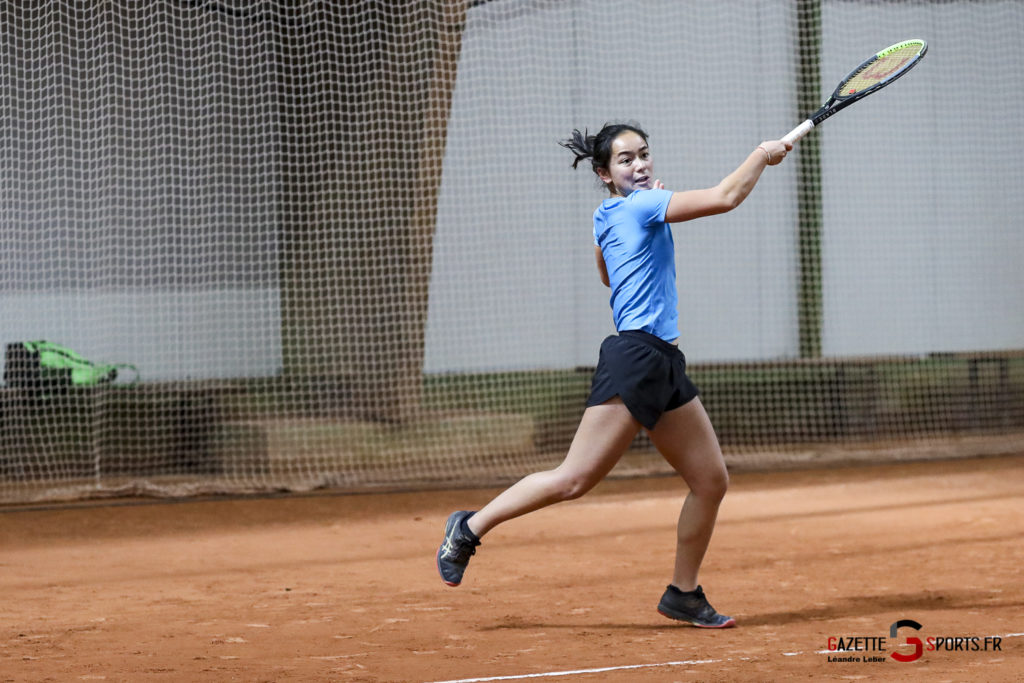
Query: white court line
pixel 577 672
pixel 581 671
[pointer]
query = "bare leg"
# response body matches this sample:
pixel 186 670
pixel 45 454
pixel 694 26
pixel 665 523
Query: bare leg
pixel 686 439
pixel 604 434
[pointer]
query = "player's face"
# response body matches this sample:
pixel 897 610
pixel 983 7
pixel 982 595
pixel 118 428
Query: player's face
pixel 630 166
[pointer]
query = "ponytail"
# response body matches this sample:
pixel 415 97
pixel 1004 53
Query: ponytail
pixel 581 145
pixel 598 148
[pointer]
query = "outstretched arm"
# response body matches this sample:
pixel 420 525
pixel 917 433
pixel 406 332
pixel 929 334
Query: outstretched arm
pixel 734 188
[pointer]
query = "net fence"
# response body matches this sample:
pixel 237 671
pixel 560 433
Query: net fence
pixel 341 247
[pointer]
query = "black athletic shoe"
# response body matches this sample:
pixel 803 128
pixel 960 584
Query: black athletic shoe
pixel 692 608
pixel 457 547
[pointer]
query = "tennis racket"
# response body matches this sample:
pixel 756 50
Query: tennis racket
pixel 870 77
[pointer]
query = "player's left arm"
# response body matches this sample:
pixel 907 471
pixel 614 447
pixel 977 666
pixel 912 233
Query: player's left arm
pixel 602 269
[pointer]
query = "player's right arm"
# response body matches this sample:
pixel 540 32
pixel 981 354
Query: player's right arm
pixel 730 193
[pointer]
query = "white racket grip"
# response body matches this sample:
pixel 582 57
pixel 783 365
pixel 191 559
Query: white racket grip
pixel 798 132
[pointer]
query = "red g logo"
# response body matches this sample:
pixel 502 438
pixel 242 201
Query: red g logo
pixel 911 640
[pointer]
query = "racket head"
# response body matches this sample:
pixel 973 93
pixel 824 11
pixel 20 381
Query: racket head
pixel 880 70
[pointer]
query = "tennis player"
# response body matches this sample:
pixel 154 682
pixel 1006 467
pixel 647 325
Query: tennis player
pixel 640 380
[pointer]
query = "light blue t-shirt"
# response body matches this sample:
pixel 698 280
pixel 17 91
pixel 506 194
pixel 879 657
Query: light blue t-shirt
pixel 639 253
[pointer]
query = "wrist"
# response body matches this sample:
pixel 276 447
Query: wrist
pixel 767 154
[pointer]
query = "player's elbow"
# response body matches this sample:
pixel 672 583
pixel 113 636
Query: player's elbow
pixel 727 199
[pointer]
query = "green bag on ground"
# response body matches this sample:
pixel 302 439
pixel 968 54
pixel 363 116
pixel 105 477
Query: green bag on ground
pixel 45 365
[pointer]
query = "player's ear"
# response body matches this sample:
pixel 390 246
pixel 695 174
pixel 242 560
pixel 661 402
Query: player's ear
pixel 604 175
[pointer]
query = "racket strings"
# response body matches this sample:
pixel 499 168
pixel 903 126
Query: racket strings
pixel 880 69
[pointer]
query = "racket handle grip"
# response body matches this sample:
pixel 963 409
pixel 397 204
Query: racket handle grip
pixel 798 132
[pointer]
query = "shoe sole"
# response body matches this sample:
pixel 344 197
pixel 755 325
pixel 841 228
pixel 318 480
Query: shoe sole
pixel 727 624
pixel 437 557
pixel 446 581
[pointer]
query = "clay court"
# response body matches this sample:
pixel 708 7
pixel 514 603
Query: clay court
pixel 344 588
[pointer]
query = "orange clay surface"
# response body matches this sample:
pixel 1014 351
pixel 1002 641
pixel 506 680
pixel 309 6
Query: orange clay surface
pixel 344 587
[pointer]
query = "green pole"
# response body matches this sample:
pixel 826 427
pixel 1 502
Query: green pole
pixel 809 209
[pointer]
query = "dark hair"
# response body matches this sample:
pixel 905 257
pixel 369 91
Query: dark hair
pixel 598 148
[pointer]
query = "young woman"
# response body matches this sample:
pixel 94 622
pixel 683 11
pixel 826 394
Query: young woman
pixel 640 381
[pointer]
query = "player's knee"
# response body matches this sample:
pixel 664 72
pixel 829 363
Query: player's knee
pixel 572 486
pixel 713 485
pixel 720 484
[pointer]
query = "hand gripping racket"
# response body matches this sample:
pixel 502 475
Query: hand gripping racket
pixel 871 76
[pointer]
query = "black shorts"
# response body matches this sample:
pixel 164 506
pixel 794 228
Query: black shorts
pixel 646 372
